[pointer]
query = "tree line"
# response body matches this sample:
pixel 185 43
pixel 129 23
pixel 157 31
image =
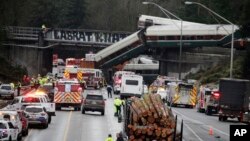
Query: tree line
pixel 114 15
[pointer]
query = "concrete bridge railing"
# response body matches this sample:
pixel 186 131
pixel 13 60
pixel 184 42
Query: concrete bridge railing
pixel 67 36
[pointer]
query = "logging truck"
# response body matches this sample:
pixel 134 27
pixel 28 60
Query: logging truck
pixel 147 118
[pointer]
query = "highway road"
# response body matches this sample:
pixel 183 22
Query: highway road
pixel 197 126
pixel 70 125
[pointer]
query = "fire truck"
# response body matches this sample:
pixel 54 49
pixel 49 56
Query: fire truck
pixel 58 66
pixel 85 67
pixel 68 93
pixel 92 77
pixel 182 94
pixel 208 100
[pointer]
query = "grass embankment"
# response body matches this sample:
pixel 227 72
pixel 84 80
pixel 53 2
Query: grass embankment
pixel 10 72
pixel 213 74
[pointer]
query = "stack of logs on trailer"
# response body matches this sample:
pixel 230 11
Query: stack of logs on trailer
pixel 147 119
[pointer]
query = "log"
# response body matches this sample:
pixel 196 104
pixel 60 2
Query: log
pixel 151 119
pixel 155 104
pixel 139 105
pixel 144 121
pixel 149 103
pixel 134 114
pixel 137 110
pixel 162 107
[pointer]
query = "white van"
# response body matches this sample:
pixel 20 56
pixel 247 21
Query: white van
pixel 117 80
pixel 132 85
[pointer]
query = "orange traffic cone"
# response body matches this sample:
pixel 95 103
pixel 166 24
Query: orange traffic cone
pixel 211 132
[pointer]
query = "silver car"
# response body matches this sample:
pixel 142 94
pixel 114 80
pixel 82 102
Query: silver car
pixel 6 90
pixel 37 115
pixel 94 102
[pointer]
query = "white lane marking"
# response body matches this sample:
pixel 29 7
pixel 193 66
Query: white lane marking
pixel 67 127
pixel 202 124
pixel 26 138
pixel 192 131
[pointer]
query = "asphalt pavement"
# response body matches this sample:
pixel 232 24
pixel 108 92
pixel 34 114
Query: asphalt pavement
pixel 70 125
pixel 201 127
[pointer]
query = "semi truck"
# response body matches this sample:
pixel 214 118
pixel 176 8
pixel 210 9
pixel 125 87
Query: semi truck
pixel 234 99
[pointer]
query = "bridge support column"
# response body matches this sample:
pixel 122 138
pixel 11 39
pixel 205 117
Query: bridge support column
pixel 193 60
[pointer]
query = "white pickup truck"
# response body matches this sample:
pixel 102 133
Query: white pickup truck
pixel 20 102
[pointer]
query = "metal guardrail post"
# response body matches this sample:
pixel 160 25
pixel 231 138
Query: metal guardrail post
pixel 181 136
pixel 174 137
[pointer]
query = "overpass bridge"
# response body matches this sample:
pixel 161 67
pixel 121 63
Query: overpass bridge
pixel 118 47
pixel 37 38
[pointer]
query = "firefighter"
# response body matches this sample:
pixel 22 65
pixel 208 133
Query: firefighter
pixel 118 103
pixel 109 138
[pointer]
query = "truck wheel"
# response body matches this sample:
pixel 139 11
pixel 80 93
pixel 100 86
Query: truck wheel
pixel 239 119
pixel 207 112
pixel 77 108
pixel 58 108
pixel 45 126
pixel 12 96
pixel 25 132
pixel 83 111
pixel 163 100
pixel 49 120
pixel 103 112
pixel 224 118
pixel 220 118
pixel 19 137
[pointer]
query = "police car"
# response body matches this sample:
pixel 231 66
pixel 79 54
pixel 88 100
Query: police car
pixel 14 118
pixel 8 131
pixel 37 115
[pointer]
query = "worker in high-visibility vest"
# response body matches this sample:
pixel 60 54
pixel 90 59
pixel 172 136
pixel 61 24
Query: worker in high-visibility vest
pixel 109 138
pixel 12 85
pixel 19 85
pixel 118 103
